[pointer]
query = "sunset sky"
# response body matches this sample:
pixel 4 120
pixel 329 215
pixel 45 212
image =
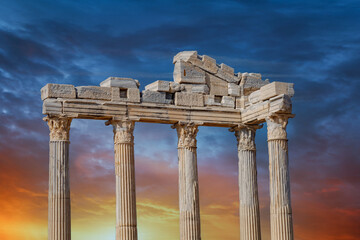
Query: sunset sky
pixel 314 44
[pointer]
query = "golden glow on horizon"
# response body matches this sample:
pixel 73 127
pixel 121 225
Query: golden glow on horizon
pixel 23 212
pixel 155 222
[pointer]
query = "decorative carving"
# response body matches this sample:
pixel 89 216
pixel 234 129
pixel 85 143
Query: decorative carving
pixel 276 125
pixel 59 128
pixel 186 134
pixel 123 131
pixel 245 136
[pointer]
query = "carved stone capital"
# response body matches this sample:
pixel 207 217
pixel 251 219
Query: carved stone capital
pixel 123 131
pixel 186 134
pixel 59 128
pixel 276 126
pixel 245 136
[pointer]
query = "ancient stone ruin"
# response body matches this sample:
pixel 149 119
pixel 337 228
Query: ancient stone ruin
pixel 202 93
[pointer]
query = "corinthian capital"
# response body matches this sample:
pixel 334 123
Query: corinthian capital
pixel 186 134
pixel 245 136
pixel 59 128
pixel 276 126
pixel 123 131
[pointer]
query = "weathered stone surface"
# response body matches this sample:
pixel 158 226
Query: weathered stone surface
pixel 59 226
pixel 254 97
pixel 185 56
pixel 252 82
pixel 115 94
pixel 227 73
pixel 227 69
pixel 51 106
pixel 176 87
pixel 120 82
pixel 52 90
pixel 233 90
pixel 209 64
pixel 133 95
pixel 276 88
pixel 159 86
pixel 189 206
pixel 211 100
pixel 242 102
pixel 204 62
pixel 196 88
pixel 157 97
pixel 280 201
pixel 92 92
pixel 228 101
pixel 248 186
pixel 217 86
pixel 189 99
pixel 186 73
pixel 280 104
pixel 126 222
pixel 125 95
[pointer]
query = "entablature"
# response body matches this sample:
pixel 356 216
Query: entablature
pixel 202 91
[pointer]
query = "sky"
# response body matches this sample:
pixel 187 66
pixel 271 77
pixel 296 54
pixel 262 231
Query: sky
pixel 313 44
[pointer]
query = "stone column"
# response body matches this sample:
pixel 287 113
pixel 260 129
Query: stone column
pixel 59 218
pixel 126 223
pixel 280 204
pixel 248 188
pixel 188 182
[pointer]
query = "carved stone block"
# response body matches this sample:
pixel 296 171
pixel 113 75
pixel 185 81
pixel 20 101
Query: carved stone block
pixel 242 102
pixel 159 86
pixel 217 86
pixel 280 104
pixel 204 62
pixel 228 101
pixel 52 90
pixel 133 95
pixel 209 64
pixel 189 99
pixel 51 106
pixel 176 87
pixel 120 82
pixel 211 100
pixel 185 56
pixel 254 97
pixel 227 73
pixel 233 90
pixel 276 88
pixel 157 97
pixel 252 82
pixel 187 73
pixel 92 92
pixel 196 88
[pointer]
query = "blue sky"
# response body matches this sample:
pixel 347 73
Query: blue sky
pixel 314 44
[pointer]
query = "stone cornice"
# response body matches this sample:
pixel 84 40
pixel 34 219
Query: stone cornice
pixel 59 128
pixel 187 132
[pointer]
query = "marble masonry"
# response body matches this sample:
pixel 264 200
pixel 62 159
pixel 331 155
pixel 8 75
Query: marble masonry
pixel 202 93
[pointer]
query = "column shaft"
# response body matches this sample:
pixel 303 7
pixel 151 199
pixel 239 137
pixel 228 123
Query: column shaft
pixel 126 223
pixel 248 188
pixel 280 201
pixel 59 216
pixel 188 183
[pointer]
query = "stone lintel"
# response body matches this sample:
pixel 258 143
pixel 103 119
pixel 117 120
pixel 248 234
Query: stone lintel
pixel 166 113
